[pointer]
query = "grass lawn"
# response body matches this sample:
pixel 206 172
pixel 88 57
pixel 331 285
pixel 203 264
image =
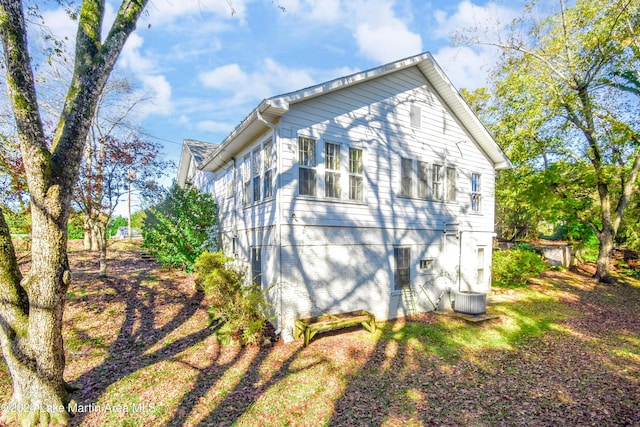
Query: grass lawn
pixel 565 351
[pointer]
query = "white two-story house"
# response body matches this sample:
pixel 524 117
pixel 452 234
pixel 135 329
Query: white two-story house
pixel 372 191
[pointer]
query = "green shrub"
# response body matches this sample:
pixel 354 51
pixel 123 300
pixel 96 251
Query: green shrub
pixel 75 227
pixel 18 222
pixel 239 307
pixel 514 267
pixel 588 250
pixel 180 227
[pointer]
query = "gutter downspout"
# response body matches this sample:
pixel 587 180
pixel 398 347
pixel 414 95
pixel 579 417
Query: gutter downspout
pixel 460 232
pixel 234 223
pixel 277 147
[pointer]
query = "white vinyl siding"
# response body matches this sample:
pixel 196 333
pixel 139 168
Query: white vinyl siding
pixel 316 254
pixel 370 118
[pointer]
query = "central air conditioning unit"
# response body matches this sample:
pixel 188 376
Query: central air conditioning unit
pixel 470 302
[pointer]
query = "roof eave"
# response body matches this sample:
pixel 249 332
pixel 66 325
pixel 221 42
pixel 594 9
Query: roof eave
pixel 270 110
pixel 252 125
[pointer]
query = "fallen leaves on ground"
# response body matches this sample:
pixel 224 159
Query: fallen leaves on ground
pixel 139 347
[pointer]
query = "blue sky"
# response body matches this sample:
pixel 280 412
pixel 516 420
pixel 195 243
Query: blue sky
pixel 206 64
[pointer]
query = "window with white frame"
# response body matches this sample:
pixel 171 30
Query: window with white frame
pixel 256 265
pixel 423 179
pixel 246 180
pixel 402 268
pixel 406 169
pixel 229 179
pixel 476 197
pixel 480 269
pixel 306 166
pixel 356 171
pixel 267 161
pixel 436 182
pixel 332 170
pixel 452 176
pixel 257 165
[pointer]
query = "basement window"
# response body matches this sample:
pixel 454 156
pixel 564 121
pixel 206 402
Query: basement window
pixel 426 264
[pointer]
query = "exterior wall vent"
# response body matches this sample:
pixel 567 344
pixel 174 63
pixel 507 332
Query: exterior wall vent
pixel 470 303
pixel 415 116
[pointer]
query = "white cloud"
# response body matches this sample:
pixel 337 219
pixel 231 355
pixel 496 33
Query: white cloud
pixel 388 42
pixel 160 89
pixel 326 11
pixel 146 70
pixel 380 34
pixel 228 77
pixel 213 126
pixel 61 26
pixel 467 67
pixel 269 79
pixel 132 57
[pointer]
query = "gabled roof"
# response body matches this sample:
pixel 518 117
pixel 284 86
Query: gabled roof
pixel 196 150
pixel 269 111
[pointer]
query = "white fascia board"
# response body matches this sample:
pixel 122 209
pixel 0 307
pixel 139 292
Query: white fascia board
pixel 273 108
pixel 250 127
pixel 353 79
pixel 183 166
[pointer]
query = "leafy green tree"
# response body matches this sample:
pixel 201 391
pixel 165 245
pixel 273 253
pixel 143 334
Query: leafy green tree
pixel 564 112
pixel 32 306
pixel 181 226
pixel 75 229
pixel 524 204
pixel 111 167
pixel 115 223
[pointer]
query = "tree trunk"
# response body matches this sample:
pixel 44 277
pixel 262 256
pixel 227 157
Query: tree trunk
pixel 95 244
pixel 603 273
pixel 87 235
pixel 33 348
pixel 100 232
pixel 31 327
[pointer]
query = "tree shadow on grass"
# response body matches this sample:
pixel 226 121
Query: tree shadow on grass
pixel 237 399
pixel 129 352
pixel 528 369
